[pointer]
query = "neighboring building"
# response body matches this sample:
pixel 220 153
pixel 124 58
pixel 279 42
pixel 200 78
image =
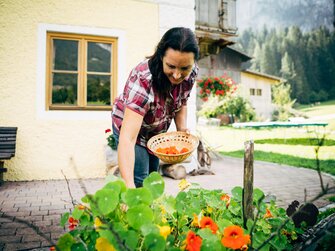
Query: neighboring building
pixel 257 88
pixel 62 64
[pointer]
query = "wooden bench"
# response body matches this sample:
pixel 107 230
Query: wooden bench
pixel 7 147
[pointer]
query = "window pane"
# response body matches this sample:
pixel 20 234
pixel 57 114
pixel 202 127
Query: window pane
pixel 65 55
pixel 99 57
pixel 64 89
pixel 98 90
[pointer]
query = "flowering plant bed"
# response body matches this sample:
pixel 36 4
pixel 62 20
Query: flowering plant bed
pixel 216 86
pixel 118 218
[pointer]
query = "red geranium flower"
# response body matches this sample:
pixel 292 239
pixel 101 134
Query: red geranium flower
pixel 108 130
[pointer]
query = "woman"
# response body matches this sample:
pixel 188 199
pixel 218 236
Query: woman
pixel 156 92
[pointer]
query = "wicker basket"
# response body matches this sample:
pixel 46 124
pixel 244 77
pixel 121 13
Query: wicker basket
pixel 177 139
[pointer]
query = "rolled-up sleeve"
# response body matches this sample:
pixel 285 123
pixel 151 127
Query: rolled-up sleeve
pixel 137 94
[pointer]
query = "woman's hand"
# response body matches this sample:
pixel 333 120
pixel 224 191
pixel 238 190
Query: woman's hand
pixel 184 130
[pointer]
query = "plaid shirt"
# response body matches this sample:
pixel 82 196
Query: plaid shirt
pixel 138 96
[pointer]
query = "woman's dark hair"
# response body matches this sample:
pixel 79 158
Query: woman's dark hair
pixel 178 38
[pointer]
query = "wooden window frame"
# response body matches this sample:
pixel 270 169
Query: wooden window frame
pixel 259 92
pixel 81 71
pixel 252 91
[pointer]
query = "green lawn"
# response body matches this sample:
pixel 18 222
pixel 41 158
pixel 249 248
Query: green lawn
pixel 327 166
pixel 289 146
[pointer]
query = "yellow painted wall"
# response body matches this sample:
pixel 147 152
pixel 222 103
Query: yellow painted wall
pixel 45 147
pixel 262 104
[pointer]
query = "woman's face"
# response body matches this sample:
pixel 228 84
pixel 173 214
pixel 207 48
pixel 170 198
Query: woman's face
pixel 177 65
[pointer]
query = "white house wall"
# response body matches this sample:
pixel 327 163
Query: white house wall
pixel 262 104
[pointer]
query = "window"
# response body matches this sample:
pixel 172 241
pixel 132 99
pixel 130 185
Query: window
pixel 81 72
pixel 259 92
pixel 252 92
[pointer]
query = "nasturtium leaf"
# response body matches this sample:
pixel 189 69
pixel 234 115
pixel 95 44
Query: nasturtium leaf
pixel 169 204
pixel 78 247
pixel 130 238
pixel 258 195
pixel 112 178
pixel 211 244
pixel 155 183
pixel 279 242
pixel 173 249
pixel 85 220
pixel 250 223
pixel 223 223
pixel 134 197
pixel 154 242
pixel 118 186
pixel 207 234
pixel 65 242
pixel 149 229
pixel 237 193
pixel 77 213
pixel 139 215
pixel 181 202
pixel 64 219
pixel 105 200
pixel 87 198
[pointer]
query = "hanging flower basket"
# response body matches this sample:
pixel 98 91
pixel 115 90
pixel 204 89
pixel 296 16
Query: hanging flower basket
pixel 216 86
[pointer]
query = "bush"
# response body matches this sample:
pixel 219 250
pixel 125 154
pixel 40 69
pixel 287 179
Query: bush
pixel 233 105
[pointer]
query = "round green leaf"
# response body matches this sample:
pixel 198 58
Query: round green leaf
pixel 106 200
pixel 210 245
pixel 155 183
pixel 118 186
pixel 154 242
pixel 134 197
pixel 65 242
pixel 139 215
pixel 77 213
pixel 258 194
pixel 237 193
pixel 149 229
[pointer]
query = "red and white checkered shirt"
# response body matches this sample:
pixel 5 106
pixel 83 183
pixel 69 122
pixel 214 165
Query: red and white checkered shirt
pixel 138 96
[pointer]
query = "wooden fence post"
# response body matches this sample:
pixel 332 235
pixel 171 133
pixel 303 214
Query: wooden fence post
pixel 248 182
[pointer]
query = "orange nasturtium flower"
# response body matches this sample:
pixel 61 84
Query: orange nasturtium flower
pixel 234 238
pixel 226 198
pixel 268 214
pixel 207 222
pixel 193 242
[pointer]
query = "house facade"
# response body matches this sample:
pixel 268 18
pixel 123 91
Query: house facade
pixel 62 64
pixel 256 87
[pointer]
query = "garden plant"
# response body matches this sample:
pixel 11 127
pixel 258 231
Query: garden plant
pixel 118 218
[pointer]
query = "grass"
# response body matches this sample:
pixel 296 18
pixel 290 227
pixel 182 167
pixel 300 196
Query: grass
pixel 296 141
pixel 326 103
pixel 285 159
